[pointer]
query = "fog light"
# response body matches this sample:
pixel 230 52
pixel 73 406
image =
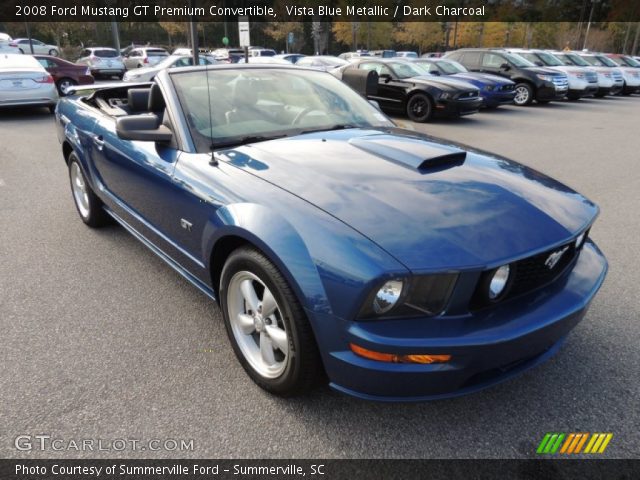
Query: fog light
pixel 392 358
pixel 499 281
pixel 387 297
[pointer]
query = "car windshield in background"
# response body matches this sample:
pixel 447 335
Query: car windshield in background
pixel 519 61
pixel 106 53
pixel 157 53
pixel 550 59
pixel 225 108
pixel 448 67
pixel 408 70
pixel 593 61
pixel 606 61
pixel 458 66
pixel 577 59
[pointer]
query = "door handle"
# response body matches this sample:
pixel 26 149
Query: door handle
pixel 99 141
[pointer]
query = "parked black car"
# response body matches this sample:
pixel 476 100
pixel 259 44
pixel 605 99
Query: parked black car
pixel 406 88
pixel 532 82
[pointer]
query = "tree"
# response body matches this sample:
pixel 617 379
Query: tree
pixel 423 35
pixel 363 34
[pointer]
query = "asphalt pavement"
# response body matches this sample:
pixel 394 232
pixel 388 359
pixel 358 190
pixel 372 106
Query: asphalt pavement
pixel 101 340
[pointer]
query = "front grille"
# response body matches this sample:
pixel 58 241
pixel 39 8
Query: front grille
pixel 617 76
pixel 534 272
pixel 468 95
pixel 528 274
pixel 561 82
pixel 592 77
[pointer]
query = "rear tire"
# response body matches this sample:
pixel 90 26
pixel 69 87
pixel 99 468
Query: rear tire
pixel 419 108
pixel 524 94
pixel 88 205
pixel 278 350
pixel 63 85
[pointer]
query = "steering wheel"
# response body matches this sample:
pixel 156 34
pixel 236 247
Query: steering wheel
pixel 304 113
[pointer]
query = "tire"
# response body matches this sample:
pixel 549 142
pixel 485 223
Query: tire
pixel 88 205
pixel 53 52
pixel 524 94
pixel 419 108
pixel 574 97
pixel 63 84
pixel 260 342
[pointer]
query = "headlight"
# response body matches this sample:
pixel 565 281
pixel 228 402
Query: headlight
pixel 445 95
pixel 546 78
pixel 422 295
pixel 489 88
pixel 387 297
pixel 499 281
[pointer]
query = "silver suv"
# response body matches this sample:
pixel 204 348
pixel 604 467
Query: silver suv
pixel 102 62
pixel 144 57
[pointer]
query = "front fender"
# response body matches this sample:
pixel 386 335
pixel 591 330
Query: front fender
pixel 330 267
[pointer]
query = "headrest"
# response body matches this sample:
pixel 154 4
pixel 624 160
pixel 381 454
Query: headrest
pixel 156 100
pixel 138 99
pixel 365 82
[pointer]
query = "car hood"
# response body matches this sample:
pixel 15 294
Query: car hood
pixel 543 71
pixel 482 212
pixel 442 83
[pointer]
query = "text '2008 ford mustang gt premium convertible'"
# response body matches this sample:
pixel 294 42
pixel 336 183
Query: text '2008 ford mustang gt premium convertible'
pixel 402 266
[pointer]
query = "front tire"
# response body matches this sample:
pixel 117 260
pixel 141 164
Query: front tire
pixel 89 206
pixel 267 326
pixel 524 94
pixel 420 108
pixel 53 52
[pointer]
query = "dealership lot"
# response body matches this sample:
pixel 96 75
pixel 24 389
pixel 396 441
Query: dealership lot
pixel 101 340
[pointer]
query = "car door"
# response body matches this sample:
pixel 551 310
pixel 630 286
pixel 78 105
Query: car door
pixel 471 60
pixel 492 63
pixel 136 176
pixel 391 91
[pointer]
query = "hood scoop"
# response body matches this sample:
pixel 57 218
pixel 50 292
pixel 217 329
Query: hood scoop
pixel 413 153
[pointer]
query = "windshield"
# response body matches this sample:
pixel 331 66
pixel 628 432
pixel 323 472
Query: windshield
pixel 628 61
pixel 448 68
pixel 227 107
pixel 550 60
pixel 606 61
pixel 459 68
pixel 157 53
pixel 106 53
pixel 408 70
pixel 577 60
pixel 519 61
pixel 593 61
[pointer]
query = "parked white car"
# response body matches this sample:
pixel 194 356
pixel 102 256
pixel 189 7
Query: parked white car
pixel 322 62
pixel 38 47
pixel 144 57
pixel 24 82
pixel 102 62
pixel 147 74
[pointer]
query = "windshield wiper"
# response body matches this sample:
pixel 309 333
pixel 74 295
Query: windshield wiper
pixel 236 142
pixel 339 126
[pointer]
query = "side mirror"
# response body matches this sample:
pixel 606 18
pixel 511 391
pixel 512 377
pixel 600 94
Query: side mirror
pixel 435 72
pixel 385 77
pixel 505 66
pixel 146 128
pixel 539 63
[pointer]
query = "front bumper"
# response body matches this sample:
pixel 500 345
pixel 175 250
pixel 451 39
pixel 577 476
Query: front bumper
pixel 487 347
pixel 495 99
pixel 100 71
pixel 457 108
pixel 549 91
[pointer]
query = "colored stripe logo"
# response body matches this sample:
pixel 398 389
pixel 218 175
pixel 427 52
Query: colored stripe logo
pixel 573 443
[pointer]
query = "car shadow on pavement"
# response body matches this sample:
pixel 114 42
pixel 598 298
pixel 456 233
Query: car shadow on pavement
pixel 24 113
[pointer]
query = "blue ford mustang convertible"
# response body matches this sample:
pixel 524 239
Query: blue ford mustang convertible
pixel 401 266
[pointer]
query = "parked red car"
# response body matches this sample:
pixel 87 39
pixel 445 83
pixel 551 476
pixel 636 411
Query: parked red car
pixel 64 73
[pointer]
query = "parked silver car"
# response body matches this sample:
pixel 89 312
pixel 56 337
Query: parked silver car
pixel 23 81
pixel 322 62
pixel 38 47
pixel 606 83
pixel 144 57
pixel 148 73
pixel 102 62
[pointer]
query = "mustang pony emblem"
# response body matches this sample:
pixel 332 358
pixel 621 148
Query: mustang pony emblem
pixel 555 257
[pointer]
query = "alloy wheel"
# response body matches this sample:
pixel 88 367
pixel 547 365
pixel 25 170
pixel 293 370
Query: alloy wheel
pixel 522 95
pixel 80 191
pixel 257 324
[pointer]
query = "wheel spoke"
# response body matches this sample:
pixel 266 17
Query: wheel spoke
pixel 266 349
pixel 269 304
pixel 246 323
pixel 278 338
pixel 249 294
